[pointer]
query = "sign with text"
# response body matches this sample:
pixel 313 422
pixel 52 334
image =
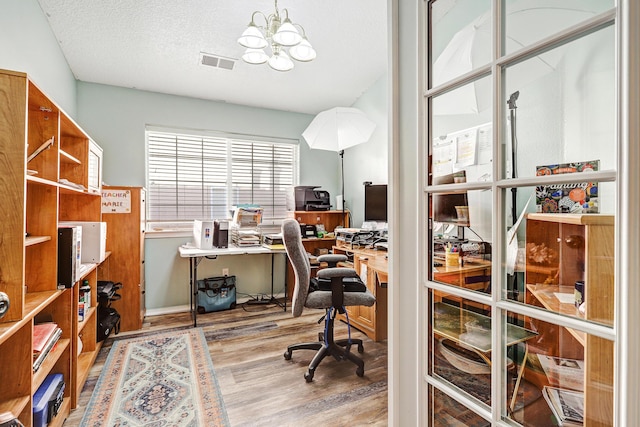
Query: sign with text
pixel 116 201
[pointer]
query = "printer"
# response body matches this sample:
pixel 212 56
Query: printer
pixel 310 199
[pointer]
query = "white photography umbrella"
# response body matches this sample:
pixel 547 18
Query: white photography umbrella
pixel 336 130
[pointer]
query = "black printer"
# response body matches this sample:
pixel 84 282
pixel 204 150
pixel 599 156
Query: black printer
pixel 310 199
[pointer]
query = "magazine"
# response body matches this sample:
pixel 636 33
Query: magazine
pixel 567 405
pixel 579 197
pixel 561 372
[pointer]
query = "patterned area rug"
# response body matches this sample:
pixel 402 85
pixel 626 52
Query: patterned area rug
pixel 159 380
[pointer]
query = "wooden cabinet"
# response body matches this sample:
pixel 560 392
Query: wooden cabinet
pixel 44 159
pixel 329 219
pixel 125 239
pixel 562 249
pixel 372 266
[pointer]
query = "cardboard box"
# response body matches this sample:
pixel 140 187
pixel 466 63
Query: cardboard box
pixel 203 234
pixel 94 240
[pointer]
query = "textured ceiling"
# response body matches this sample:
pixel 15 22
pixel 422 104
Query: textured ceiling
pixel 155 45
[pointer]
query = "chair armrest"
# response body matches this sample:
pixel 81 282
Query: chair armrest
pixel 332 259
pixel 328 273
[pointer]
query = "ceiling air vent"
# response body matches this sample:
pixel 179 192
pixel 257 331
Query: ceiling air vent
pixel 216 61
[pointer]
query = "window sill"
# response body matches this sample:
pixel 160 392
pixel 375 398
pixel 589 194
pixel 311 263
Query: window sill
pixel 167 233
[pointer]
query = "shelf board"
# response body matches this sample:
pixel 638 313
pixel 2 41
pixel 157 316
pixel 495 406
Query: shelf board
pixel 34 240
pixel 51 359
pixel 15 405
pixel 68 158
pixel 37 180
pixel 83 366
pixel 70 189
pixel 36 301
pixel 545 294
pixel 577 219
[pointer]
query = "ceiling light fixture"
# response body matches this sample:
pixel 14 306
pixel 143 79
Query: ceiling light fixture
pixel 281 36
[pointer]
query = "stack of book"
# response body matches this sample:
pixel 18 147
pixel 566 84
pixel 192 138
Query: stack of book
pixel 565 394
pixel 45 337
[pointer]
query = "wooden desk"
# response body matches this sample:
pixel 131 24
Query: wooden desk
pixel 474 275
pixel 372 265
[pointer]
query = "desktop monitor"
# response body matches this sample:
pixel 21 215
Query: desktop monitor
pixel 453 207
pixel 375 203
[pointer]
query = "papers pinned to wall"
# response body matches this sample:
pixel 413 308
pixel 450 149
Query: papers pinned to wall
pixel 458 150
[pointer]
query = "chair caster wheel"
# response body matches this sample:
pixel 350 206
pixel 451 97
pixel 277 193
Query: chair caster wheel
pixel 360 372
pixel 308 376
pixel 287 355
pixel 360 348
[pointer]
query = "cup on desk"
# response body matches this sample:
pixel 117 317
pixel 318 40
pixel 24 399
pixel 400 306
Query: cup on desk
pixel 452 259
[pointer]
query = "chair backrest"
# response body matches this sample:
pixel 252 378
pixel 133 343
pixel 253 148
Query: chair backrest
pixel 299 261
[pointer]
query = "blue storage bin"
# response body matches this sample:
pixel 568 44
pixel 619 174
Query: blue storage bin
pixel 48 399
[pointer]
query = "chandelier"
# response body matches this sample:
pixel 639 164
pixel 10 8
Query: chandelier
pixel 281 36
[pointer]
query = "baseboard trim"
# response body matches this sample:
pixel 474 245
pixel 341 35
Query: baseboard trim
pixel 185 308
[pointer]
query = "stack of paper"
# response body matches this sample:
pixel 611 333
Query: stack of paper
pixel 567 405
pixel 45 337
pixel 562 372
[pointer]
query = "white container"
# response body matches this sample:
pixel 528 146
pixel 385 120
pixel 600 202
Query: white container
pixel 203 234
pixel 94 240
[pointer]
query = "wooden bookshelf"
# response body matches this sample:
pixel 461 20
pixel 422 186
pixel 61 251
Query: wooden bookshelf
pixel 41 145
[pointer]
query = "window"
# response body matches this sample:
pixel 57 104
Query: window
pixel 201 176
pixel 519 260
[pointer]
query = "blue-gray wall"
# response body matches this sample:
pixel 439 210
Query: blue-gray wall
pixel 116 118
pixel 27 44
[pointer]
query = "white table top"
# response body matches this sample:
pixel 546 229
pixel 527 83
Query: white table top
pixel 187 251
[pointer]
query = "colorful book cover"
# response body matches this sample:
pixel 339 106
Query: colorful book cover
pixel 41 334
pixel 578 197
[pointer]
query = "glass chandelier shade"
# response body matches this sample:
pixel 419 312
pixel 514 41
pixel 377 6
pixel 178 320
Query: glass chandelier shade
pixel 255 56
pixel 303 51
pixel 281 36
pixel 287 35
pixel 280 61
pixel 252 38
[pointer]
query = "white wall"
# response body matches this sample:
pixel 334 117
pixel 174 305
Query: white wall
pixel 368 161
pixel 27 44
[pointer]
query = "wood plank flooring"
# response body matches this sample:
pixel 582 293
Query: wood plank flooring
pixel 260 387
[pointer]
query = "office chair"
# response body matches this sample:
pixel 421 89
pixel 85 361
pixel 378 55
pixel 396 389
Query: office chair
pixel 333 302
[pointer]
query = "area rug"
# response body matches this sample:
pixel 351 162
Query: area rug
pixel 161 380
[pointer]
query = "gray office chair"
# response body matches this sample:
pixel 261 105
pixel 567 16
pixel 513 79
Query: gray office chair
pixel 333 302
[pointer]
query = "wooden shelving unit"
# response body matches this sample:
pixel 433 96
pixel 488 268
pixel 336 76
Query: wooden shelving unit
pixel 125 238
pixel 50 166
pixel 576 247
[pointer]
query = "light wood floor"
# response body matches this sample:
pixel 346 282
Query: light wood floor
pixel 260 387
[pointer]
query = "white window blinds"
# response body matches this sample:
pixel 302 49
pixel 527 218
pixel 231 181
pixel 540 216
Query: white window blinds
pixel 201 177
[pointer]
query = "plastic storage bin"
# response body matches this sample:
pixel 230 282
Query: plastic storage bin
pixel 47 400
